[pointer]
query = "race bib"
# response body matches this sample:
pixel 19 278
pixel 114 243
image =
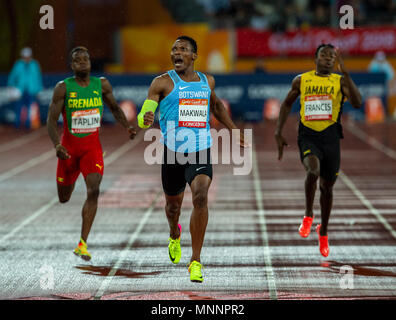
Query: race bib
pixel 193 113
pixel 318 107
pixel 85 121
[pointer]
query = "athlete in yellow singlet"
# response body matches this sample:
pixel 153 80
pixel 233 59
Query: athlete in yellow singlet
pixel 322 94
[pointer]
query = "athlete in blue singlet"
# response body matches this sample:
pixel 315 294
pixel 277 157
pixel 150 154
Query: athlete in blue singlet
pixel 186 128
pixel 185 98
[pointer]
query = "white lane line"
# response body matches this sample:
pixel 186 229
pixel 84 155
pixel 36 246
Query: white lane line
pixel 28 220
pixel 106 282
pixel 113 157
pixel 357 132
pixel 51 153
pixel 27 165
pixel 263 225
pixel 367 203
pixel 22 140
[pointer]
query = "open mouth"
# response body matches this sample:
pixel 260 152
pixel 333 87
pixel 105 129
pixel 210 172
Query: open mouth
pixel 178 62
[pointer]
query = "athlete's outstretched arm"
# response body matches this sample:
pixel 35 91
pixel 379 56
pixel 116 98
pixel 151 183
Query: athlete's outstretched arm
pixel 284 112
pixel 55 109
pixel 220 112
pixel 155 93
pixel 108 97
pixel 348 87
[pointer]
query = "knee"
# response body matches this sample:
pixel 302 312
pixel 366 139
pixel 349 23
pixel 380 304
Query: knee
pixel 64 193
pixel 63 199
pixel 200 200
pixel 313 174
pixel 326 189
pixel 93 193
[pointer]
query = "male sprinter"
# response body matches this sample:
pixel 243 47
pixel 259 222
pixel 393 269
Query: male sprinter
pixel 322 95
pixel 79 99
pixel 184 96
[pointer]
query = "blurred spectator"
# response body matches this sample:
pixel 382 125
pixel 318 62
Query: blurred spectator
pixel 26 78
pixel 186 11
pixel 244 11
pixel 380 11
pixel 288 15
pixel 321 13
pixel 211 7
pixel 393 11
pixel 260 66
pixel 380 64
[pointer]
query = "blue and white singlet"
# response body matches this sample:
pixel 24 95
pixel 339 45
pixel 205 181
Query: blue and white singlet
pixel 184 115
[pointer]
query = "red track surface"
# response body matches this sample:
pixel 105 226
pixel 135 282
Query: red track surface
pixel 252 248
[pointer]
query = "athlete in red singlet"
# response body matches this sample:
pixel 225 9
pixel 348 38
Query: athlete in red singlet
pixel 79 99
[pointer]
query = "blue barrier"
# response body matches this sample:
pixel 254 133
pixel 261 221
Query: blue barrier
pixel 246 93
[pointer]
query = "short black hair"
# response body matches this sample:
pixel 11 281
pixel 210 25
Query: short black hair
pixel 192 42
pixel 76 49
pixel 323 45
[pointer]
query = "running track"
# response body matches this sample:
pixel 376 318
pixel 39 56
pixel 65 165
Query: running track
pixel 252 249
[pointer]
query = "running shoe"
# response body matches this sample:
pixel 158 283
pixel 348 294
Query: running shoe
pixel 195 271
pixel 323 243
pixel 174 248
pixel 81 251
pixel 305 227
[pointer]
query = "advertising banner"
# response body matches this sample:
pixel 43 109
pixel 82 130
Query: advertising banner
pixel 246 94
pixel 359 41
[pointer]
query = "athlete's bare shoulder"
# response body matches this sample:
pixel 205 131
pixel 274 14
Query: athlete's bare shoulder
pixel 297 79
pixel 162 79
pixel 60 88
pixel 106 86
pixel 296 82
pixel 209 77
pixel 162 83
pixel 61 84
pixel 160 87
pixel 104 80
pixel 59 93
pixel 211 80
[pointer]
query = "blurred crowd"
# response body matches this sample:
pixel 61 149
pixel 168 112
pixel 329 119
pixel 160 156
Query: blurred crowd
pixel 285 15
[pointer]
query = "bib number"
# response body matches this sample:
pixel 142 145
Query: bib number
pixel 319 107
pixel 85 121
pixel 193 113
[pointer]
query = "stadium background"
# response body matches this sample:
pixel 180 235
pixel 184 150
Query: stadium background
pixel 255 47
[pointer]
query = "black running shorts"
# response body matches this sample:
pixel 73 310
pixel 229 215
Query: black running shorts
pixel 181 168
pixel 325 146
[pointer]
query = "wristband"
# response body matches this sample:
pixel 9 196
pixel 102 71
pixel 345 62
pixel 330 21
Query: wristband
pixel 148 105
